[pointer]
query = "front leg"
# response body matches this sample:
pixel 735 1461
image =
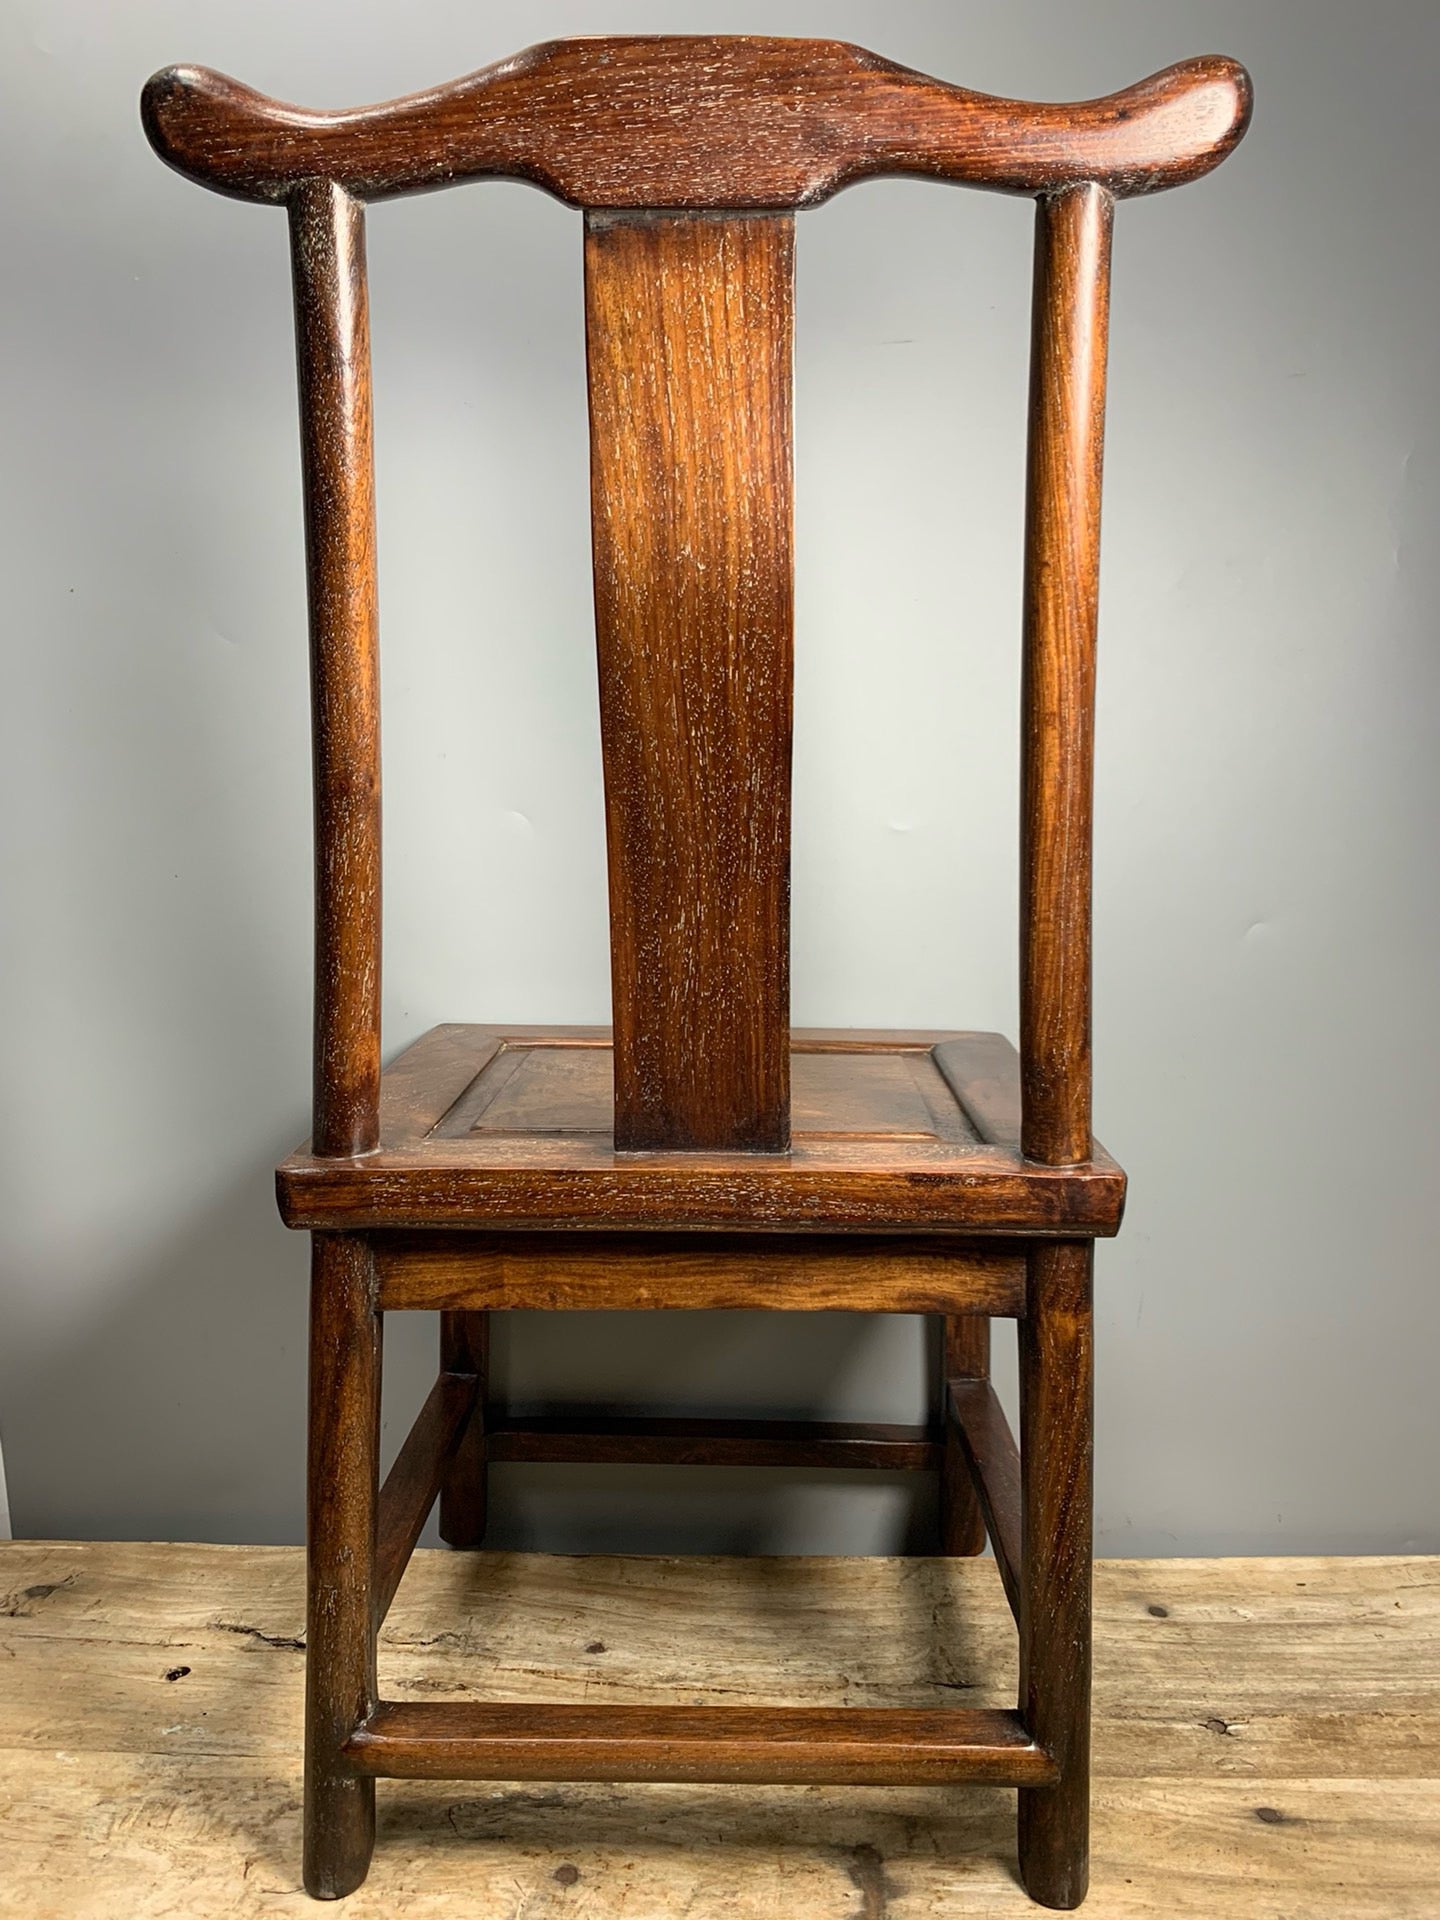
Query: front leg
pixel 341 1501
pixel 1056 1444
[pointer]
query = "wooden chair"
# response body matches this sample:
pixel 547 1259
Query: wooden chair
pixel 706 1156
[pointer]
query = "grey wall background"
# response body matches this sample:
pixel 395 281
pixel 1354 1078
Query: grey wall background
pixel 1268 911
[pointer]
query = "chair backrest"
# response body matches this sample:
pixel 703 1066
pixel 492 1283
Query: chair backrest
pixel 689 157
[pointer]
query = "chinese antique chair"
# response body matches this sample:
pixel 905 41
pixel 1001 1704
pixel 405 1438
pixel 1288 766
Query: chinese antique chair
pixel 703 1155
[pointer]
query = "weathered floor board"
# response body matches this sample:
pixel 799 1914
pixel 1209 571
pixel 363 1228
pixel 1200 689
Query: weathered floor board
pixel 1267 1737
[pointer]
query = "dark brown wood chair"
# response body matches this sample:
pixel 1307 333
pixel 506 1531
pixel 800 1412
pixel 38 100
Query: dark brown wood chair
pixel 706 1155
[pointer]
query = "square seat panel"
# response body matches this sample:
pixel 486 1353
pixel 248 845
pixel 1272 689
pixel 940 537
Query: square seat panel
pixel 499 1127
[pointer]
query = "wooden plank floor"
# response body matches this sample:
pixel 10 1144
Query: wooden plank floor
pixel 1267 1737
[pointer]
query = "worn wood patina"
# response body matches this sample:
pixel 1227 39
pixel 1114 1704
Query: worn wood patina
pixel 700 1152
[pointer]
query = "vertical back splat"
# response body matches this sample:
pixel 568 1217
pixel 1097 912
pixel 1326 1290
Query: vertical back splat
pixel 689 329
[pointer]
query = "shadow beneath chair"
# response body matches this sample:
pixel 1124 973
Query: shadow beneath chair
pixel 929 1633
pixel 854 1853
pixel 673 1849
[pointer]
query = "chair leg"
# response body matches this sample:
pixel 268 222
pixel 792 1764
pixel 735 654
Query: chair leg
pixel 465 1348
pixel 965 1355
pixel 1056 1427
pixel 342 1494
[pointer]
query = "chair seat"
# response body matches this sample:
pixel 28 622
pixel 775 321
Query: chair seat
pixel 499 1127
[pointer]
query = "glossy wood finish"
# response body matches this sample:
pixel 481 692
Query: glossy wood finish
pixel 664 1272
pixel 976 1426
pixel 635 1441
pixel 709 121
pixel 990 1194
pixel 688 328
pixel 896 1133
pixel 964 1355
pixel 342 1497
pixel 332 332
pixel 1056 1449
pixel 803 1745
pixel 464 1490
pixel 706 1157
pixel 1062 576
pixel 1062 566
pixel 413 1483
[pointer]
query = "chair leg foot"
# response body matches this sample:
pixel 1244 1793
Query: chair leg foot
pixel 339 1833
pixel 1056 1425
pixel 1053 1832
pixel 342 1501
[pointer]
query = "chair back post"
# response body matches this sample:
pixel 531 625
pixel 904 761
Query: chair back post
pixel 332 336
pixel 1062 567
pixel 689 155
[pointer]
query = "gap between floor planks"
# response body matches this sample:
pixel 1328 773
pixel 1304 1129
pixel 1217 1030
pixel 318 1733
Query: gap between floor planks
pixel 1267 1736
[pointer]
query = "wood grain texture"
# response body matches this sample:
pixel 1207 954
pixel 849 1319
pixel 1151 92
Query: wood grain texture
pixel 580 1438
pixel 967 1178
pixel 664 1153
pixel 964 1355
pixel 332 332
pixel 413 1483
pixel 465 1350
pixel 782 1272
pixel 1320 1668
pixel 1062 577
pixel 688 329
pixel 1056 1506
pixel 986 1193
pixel 695 122
pixel 977 1427
pixel 862 1092
pixel 820 1746
pixel 1308 1688
pixel 342 1487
